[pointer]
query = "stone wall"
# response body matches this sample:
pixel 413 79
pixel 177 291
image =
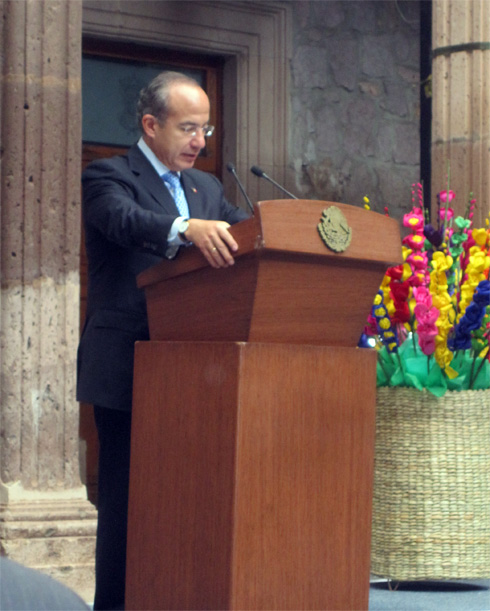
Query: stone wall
pixel 355 101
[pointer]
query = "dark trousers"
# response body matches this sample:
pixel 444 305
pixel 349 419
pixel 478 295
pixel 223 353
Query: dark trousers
pixel 114 430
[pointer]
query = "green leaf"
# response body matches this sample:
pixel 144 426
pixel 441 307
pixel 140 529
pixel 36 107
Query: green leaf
pixel 436 383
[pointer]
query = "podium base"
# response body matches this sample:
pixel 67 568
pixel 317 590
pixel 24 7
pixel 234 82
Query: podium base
pixel 251 476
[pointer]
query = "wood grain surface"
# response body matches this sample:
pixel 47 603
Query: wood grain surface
pixel 286 285
pixel 251 477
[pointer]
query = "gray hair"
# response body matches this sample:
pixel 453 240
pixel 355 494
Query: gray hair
pixel 154 98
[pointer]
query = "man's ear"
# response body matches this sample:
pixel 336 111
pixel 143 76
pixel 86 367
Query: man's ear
pixel 149 123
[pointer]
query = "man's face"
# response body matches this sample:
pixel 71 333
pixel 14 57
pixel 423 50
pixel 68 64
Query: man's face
pixel 189 106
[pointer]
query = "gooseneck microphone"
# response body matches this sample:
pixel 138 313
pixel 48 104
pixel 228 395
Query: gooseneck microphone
pixel 231 168
pixel 261 174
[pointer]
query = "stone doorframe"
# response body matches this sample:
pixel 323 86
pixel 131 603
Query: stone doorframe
pixel 255 40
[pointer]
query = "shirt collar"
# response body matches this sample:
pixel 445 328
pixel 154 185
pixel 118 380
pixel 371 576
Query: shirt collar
pixel 160 167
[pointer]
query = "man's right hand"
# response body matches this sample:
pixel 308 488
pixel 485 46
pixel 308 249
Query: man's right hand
pixel 214 241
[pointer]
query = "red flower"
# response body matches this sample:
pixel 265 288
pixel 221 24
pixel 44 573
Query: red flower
pixel 395 273
pixel 399 291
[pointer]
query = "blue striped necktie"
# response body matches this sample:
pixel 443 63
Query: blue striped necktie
pixel 173 181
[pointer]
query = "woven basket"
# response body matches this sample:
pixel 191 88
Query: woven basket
pixel 431 506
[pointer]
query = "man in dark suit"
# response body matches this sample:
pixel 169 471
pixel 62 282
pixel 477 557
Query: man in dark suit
pixel 138 209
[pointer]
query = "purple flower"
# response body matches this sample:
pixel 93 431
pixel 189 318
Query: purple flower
pixel 460 341
pixel 433 235
pixel 472 318
pixel 482 294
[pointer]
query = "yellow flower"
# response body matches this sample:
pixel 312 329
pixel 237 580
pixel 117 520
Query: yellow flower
pixel 407 271
pixel 384 323
pixel 479 260
pixel 443 356
pixel 406 252
pixel 480 236
pixel 441 262
pixel 386 281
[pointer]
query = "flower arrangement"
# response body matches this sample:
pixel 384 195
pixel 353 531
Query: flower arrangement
pixel 430 320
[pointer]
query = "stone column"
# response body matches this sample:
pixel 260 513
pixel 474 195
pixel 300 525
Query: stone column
pixel 461 101
pixel 46 521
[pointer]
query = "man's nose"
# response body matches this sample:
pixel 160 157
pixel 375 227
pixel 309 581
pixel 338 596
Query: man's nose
pixel 199 141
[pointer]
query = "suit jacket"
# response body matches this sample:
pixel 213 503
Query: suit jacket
pixel 127 215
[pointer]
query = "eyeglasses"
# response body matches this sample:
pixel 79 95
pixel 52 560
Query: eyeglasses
pixel 193 130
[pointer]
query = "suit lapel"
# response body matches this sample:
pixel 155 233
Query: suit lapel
pixel 141 167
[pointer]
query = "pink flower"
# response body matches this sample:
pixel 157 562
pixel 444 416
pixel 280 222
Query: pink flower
pixel 371 326
pixel 414 241
pixel 442 213
pixel 426 316
pixel 413 220
pixel 427 344
pixel 418 260
pixel 422 295
pixel 443 196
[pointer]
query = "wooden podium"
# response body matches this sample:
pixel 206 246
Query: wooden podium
pixel 253 420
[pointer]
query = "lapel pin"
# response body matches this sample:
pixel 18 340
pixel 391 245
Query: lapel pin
pixel 193 189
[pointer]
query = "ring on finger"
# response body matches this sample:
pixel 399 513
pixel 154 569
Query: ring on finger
pixel 214 249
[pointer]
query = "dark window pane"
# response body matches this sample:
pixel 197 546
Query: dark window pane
pixel 110 89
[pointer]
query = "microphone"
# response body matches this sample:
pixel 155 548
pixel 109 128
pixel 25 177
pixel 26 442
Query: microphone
pixel 261 174
pixel 231 168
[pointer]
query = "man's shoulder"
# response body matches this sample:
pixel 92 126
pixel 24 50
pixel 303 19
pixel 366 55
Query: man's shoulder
pixel 118 163
pixel 124 163
pixel 200 177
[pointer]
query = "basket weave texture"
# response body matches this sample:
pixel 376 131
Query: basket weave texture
pixel 431 503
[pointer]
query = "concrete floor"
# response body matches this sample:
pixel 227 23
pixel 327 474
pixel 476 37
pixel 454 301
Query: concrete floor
pixel 471 595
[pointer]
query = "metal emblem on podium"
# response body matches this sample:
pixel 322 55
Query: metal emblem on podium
pixel 334 229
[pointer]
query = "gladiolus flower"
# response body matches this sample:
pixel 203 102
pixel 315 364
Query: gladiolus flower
pixel 395 272
pixel 414 241
pixel 443 196
pixel 447 214
pixel 418 260
pixel 426 315
pixel 433 235
pixel 427 344
pixel 414 219
pixel 480 236
pixel 422 295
